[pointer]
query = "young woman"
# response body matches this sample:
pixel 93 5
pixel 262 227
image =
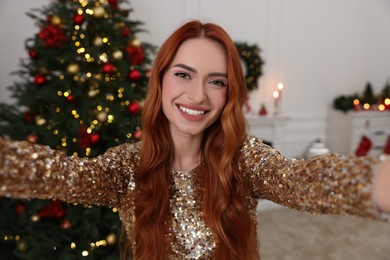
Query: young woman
pixel 189 190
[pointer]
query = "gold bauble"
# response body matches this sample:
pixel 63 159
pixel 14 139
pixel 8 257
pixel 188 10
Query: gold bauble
pixel 102 116
pixel 99 11
pixel 136 42
pixel 98 41
pixel 73 68
pixel 118 55
pixel 40 120
pixel 55 20
pixel 22 246
pixel 111 239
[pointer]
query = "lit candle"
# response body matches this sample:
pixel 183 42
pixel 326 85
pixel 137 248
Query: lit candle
pixel 280 89
pixel 275 94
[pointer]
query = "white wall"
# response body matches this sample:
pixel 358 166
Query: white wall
pixel 318 49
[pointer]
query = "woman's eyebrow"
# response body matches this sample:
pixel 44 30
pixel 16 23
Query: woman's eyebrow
pixel 184 66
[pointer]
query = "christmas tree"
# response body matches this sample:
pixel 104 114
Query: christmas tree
pixel 80 91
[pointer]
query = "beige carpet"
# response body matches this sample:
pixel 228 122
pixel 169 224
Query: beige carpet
pixel 287 234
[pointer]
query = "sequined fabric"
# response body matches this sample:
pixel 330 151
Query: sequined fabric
pixel 322 184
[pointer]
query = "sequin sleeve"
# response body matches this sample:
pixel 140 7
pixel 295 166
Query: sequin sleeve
pixel 36 171
pixel 328 183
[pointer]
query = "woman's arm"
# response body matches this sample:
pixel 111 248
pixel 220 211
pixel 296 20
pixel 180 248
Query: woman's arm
pixel 381 187
pixel 36 171
pixel 329 183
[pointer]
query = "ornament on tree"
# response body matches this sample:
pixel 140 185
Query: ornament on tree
pixel 52 36
pixel 73 68
pixel 126 31
pixel 94 138
pixel 78 19
pixel 65 224
pixel 33 54
pixel 32 138
pixel 98 41
pixel 20 208
pixel 70 98
pixel 83 137
pixel 40 80
pixel 135 53
pixel 54 210
pixel 117 55
pixel 56 20
pixel 108 68
pixel 138 134
pixel 134 75
pixel 111 239
pixel 102 116
pixel 28 117
pixel 364 146
pixel 39 120
pixel 134 107
pixel 99 11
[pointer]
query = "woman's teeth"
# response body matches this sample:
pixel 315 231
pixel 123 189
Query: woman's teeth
pixel 191 111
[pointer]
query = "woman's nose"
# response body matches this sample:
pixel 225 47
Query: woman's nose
pixel 197 93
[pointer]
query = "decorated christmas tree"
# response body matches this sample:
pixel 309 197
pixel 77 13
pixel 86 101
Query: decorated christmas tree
pixel 80 91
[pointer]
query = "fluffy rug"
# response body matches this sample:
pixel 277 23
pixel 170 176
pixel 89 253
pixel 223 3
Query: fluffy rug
pixel 287 234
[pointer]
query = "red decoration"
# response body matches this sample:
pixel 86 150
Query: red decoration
pixel 83 137
pixel 52 36
pixel 108 68
pixel 78 19
pixel 135 54
pixel 138 134
pixel 134 75
pixel 28 117
pixel 70 98
pixel 40 79
pixel 126 31
pixel 364 146
pixel 134 108
pixel 263 111
pixel 66 224
pixel 20 208
pixel 32 138
pixel 386 150
pixel 113 2
pixel 54 210
pixel 33 54
pixel 94 138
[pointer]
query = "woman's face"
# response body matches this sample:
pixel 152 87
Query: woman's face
pixel 194 88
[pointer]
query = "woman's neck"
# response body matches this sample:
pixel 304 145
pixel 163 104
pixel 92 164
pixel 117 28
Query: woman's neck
pixel 187 152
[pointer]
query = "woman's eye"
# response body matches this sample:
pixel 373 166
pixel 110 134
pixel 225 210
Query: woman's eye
pixel 182 75
pixel 219 83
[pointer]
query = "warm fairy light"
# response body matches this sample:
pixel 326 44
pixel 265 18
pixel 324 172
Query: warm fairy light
pixel 114 210
pixel 275 94
pixel 381 107
pixel 79 11
pixel 87 55
pixel 59 93
pixel 82 36
pixel 89 11
pixel 129 135
pixel 88 151
pixel 366 106
pixel 89 74
pixel 77 44
pixel 80 50
pixel 110 118
pixel 66 94
pixel 55 132
pixel 356 102
pixel 84 253
pixel 73 245
pixel 105 39
pixel 75 154
pixel 103 57
pixel 99 108
pixel 387 101
pixel 280 86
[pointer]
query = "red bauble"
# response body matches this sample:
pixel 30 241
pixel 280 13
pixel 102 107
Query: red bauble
pixel 32 138
pixel 94 138
pixel 33 54
pixel 138 134
pixel 78 19
pixel 40 79
pixel 108 68
pixel 66 224
pixel 134 75
pixel 126 31
pixel 20 208
pixel 70 98
pixel 28 117
pixel 54 210
pixel 134 108
pixel 113 2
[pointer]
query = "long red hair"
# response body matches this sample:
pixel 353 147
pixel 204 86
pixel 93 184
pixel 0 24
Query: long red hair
pixel 224 206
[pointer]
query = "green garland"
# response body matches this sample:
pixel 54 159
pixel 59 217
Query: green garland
pixel 252 62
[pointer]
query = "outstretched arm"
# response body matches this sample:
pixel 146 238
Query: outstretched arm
pixel 36 171
pixel 381 187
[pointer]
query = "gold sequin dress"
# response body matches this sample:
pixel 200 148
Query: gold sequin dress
pixel 323 184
